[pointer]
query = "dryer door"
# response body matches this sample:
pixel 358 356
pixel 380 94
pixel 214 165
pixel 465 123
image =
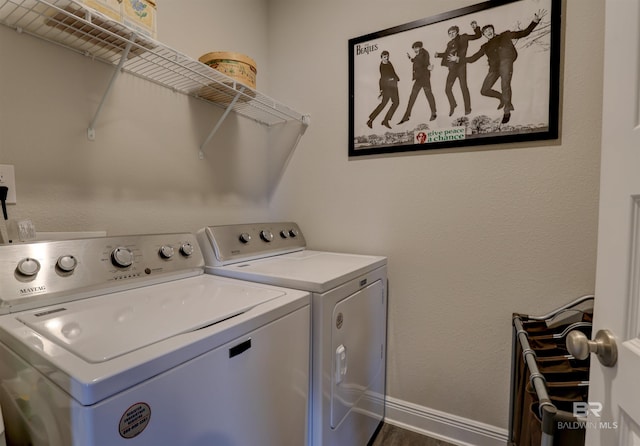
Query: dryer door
pixel 357 337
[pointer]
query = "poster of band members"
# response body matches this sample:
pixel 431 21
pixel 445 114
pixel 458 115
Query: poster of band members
pixel 484 74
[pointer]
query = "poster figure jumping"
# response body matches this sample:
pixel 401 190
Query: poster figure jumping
pixel 422 81
pixel 454 58
pixel 388 91
pixel 501 54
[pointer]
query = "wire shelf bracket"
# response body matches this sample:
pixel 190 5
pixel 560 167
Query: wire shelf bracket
pixel 219 123
pixel 91 132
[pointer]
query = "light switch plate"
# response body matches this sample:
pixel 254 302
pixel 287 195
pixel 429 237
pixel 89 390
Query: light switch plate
pixel 8 178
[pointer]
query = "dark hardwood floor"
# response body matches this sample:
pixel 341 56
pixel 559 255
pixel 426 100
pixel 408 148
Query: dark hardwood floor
pixel 391 435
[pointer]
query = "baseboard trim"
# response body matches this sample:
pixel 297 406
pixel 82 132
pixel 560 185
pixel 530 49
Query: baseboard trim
pixel 443 426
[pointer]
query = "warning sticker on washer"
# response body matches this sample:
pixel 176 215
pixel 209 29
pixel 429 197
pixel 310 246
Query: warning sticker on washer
pixel 135 420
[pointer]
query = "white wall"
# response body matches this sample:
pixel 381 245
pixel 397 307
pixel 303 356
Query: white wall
pixel 472 235
pixel 142 173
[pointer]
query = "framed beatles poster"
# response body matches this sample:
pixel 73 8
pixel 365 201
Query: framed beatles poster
pixel 484 74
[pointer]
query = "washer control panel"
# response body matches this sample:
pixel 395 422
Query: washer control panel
pixel 41 273
pixel 223 245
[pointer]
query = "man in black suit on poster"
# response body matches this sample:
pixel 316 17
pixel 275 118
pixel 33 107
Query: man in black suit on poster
pixel 422 80
pixel 501 54
pixel 388 85
pixel 454 57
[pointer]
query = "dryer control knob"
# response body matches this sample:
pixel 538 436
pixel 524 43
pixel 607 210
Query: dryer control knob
pixel 28 267
pixel 166 251
pixel 67 263
pixel 186 249
pixel 122 257
pixel 266 235
pixel 294 232
pixel 244 238
pixel 284 234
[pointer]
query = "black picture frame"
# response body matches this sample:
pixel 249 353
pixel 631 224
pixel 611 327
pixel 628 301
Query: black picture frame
pixel 532 114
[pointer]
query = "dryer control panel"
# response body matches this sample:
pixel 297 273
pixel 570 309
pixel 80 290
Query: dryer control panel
pixel 223 245
pixel 33 275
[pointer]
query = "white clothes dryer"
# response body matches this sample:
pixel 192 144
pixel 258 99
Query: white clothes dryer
pixel 349 319
pixel 125 341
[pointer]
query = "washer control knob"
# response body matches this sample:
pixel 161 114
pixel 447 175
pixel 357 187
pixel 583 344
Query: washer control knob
pixel 122 257
pixel 266 235
pixel 67 263
pixel 294 232
pixel 28 267
pixel 244 238
pixel 284 234
pixel 166 251
pixel 186 249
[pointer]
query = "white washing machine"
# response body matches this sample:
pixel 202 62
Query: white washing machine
pixel 349 319
pixel 125 341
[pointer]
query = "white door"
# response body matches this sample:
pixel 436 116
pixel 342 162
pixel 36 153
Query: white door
pixel 617 305
pixel 357 338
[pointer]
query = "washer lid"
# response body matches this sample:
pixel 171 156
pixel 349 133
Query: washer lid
pixel 98 330
pixel 308 270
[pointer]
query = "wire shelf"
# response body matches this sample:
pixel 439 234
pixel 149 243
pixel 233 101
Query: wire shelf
pixel 72 25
